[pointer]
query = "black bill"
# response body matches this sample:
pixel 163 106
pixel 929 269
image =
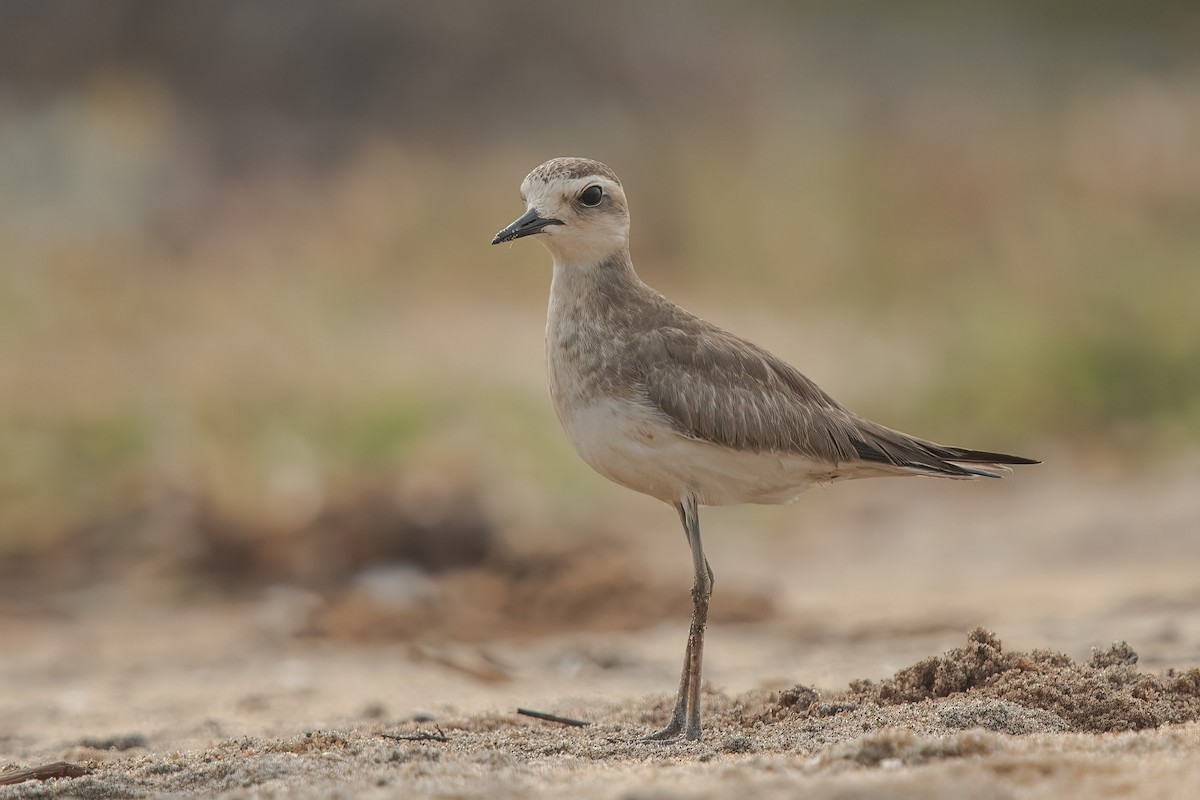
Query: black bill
pixel 527 224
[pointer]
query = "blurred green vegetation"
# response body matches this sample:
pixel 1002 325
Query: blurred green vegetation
pixel 244 247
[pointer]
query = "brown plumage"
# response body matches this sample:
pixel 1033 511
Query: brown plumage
pixel 722 389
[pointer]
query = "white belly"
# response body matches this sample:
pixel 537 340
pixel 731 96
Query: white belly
pixel 629 445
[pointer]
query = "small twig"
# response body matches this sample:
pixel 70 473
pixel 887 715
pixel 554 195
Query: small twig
pixel 419 736
pixel 483 670
pixel 59 769
pixel 575 723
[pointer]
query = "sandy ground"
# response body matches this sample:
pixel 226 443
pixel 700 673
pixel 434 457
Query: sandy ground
pixel 159 696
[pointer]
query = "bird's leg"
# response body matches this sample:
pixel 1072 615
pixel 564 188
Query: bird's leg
pixel 685 719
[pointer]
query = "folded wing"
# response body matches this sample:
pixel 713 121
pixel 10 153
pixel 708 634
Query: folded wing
pixel 716 387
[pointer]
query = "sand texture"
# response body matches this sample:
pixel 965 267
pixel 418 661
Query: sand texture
pixel 1037 640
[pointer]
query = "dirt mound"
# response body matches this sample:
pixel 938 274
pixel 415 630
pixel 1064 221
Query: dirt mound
pixel 980 685
pixel 596 587
pixel 198 544
pixel 372 564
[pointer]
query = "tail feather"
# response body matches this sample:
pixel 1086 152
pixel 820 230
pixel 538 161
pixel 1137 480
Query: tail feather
pixel 983 457
pixel 881 445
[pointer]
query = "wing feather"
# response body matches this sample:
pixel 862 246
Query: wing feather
pixel 721 389
pixel 716 387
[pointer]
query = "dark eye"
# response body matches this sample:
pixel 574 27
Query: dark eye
pixel 592 196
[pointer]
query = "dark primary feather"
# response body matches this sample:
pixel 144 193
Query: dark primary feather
pixel 719 388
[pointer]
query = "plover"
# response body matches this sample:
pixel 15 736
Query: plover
pixel 667 404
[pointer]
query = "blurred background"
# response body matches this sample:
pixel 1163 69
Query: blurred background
pixel 254 342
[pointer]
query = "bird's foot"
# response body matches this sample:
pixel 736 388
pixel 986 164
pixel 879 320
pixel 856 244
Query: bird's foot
pixel 667 735
pixel 674 733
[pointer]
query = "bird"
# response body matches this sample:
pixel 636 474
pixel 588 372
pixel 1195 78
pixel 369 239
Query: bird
pixel 665 403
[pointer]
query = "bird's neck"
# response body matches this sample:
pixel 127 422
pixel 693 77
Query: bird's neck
pixel 594 308
pixel 596 285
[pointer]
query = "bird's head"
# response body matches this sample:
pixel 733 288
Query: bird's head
pixel 577 209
